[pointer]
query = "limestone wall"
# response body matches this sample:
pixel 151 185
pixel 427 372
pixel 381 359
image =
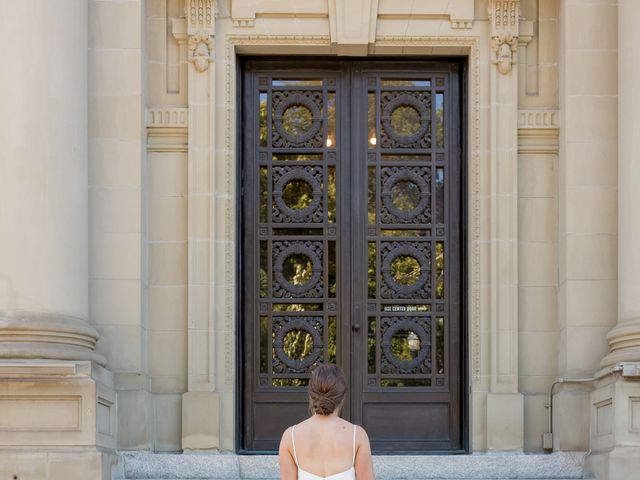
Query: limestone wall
pixel 152 128
pixel 587 203
pixel 177 338
pixel 116 209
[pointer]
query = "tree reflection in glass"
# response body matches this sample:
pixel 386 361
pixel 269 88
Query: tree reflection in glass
pixel 297 269
pixel 405 195
pixel 297 194
pixel 405 120
pixel 405 269
pixel 405 345
pixel 297 120
pixel 297 344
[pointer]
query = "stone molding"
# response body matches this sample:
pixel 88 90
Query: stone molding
pixel 538 131
pixel 244 12
pixel 538 119
pixel 167 117
pixel 167 129
pixel 624 343
pixel 460 12
pixel 40 335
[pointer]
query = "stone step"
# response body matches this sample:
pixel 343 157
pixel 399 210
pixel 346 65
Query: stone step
pixel 555 466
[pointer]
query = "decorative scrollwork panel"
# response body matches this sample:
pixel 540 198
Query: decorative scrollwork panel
pixel 405 345
pixel 297 194
pixel 298 344
pixel 406 195
pixel 297 118
pixel 405 119
pixel 406 270
pixel 297 269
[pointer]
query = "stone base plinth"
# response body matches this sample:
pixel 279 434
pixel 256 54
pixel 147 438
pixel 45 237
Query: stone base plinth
pixel 57 420
pixel 65 464
pixel 615 429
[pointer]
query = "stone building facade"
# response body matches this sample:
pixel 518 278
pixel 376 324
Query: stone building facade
pixel 122 261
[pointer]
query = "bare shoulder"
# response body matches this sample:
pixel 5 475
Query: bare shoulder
pixel 362 439
pixel 285 441
pixel 361 433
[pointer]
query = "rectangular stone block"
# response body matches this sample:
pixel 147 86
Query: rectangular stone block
pixel 58 407
pixel 505 422
pixel 168 423
pixel 535 421
pixel 570 409
pixel 200 421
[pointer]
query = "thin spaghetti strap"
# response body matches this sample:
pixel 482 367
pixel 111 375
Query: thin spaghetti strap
pixel 293 442
pixel 353 462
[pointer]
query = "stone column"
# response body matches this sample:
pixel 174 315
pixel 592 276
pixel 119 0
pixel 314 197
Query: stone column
pixel 43 184
pixel 624 338
pixel 48 363
pixel 615 402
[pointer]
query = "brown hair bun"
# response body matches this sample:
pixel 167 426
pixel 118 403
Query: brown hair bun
pixel 327 389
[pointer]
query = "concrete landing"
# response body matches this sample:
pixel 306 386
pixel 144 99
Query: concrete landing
pixel 557 466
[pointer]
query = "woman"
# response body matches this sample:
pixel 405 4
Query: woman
pixel 325 445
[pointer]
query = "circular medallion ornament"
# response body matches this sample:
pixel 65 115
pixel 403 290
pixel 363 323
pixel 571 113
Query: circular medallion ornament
pixel 297 118
pixel 297 268
pixel 417 340
pixel 405 269
pixel 405 119
pixel 297 193
pixel 298 344
pixel 405 194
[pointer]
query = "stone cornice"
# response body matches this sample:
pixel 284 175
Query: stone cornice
pixel 165 117
pixel 538 119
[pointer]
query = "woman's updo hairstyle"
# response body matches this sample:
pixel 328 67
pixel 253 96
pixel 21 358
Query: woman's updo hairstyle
pixel 327 389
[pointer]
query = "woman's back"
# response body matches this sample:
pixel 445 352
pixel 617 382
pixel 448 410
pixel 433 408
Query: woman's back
pixel 324 447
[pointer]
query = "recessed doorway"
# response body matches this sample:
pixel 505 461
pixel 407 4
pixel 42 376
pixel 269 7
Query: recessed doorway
pixel 352 247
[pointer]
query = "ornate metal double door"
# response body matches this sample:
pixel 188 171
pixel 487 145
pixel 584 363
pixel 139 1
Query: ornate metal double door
pixel 351 202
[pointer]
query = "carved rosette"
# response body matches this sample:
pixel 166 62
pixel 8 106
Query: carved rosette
pixel 505 19
pixel 201 50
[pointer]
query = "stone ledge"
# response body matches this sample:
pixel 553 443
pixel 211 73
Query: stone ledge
pixel 560 465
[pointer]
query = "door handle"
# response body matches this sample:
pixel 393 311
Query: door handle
pixel 355 327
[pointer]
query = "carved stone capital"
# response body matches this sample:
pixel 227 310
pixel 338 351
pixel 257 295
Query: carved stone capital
pixel 201 50
pixel 504 47
pixel 505 19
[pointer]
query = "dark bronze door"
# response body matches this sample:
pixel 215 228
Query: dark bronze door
pixel 351 253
